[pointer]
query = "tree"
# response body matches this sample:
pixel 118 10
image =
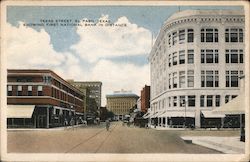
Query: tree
pixel 110 114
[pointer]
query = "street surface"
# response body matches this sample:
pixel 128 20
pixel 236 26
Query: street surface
pixel 95 139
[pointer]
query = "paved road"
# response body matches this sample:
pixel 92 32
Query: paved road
pixel 119 139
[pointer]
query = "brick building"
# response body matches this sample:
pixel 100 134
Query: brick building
pixel 41 99
pixel 145 98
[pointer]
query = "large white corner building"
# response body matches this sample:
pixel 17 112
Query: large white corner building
pixel 195 65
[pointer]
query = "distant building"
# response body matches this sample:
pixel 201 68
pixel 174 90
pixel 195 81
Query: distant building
pixel 120 103
pixel 92 91
pixel 139 104
pixel 41 99
pixel 195 65
pixel 145 98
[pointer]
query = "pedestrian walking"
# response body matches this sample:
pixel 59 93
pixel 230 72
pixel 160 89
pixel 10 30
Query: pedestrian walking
pixel 107 124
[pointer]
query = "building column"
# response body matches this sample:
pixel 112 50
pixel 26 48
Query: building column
pixel 47 117
pixel 197 112
pixel 34 121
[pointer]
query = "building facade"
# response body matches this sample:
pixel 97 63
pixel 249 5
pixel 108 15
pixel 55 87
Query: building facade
pixel 93 93
pixel 41 99
pixel 145 98
pixel 121 102
pixel 195 65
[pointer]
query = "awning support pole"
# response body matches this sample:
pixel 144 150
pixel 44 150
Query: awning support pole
pixel 47 117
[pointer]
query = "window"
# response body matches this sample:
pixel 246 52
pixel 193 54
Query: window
pixel 175 80
pixel 169 101
pixel 227 98
pixel 232 79
pixel 209 35
pixel 169 81
pixel 182 79
pixel 216 78
pixel 40 90
pixel 234 56
pixel 241 56
pixel 190 35
pixel 203 78
pixel 182 101
pixel 209 56
pixel 175 101
pixel 181 36
pixel 234 96
pixel 9 90
pixel 169 60
pixel 209 78
pixel 227 79
pixel 191 101
pixel 202 100
pixel 209 101
pixel 190 56
pixel 182 57
pixel 217 100
pixel 19 90
pixel 46 79
pixel 174 38
pixel 175 58
pixel 29 90
pixel 190 78
pixel 169 40
pixel 234 35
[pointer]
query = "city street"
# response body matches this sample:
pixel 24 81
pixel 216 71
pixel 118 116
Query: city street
pixel 95 139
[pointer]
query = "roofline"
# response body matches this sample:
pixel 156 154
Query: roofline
pixel 45 71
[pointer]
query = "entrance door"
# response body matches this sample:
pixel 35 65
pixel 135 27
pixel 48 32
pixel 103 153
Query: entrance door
pixel 41 121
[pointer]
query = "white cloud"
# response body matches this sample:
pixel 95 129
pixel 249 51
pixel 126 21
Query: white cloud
pixel 106 42
pixel 117 76
pixel 27 47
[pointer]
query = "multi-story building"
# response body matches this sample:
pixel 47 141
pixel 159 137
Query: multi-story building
pixel 92 91
pixel 41 99
pixel 195 65
pixel 145 98
pixel 121 102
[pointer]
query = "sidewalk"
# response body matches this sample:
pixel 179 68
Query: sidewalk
pixel 41 129
pixel 228 145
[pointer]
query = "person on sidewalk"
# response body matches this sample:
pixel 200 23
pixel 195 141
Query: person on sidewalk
pixel 107 124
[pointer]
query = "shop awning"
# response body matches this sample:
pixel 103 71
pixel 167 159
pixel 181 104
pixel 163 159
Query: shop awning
pixel 235 106
pixel 160 114
pixel 20 111
pixel 155 115
pixel 178 114
pixel 210 114
pixel 145 115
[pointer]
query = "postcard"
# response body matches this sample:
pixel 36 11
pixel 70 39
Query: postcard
pixel 124 81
